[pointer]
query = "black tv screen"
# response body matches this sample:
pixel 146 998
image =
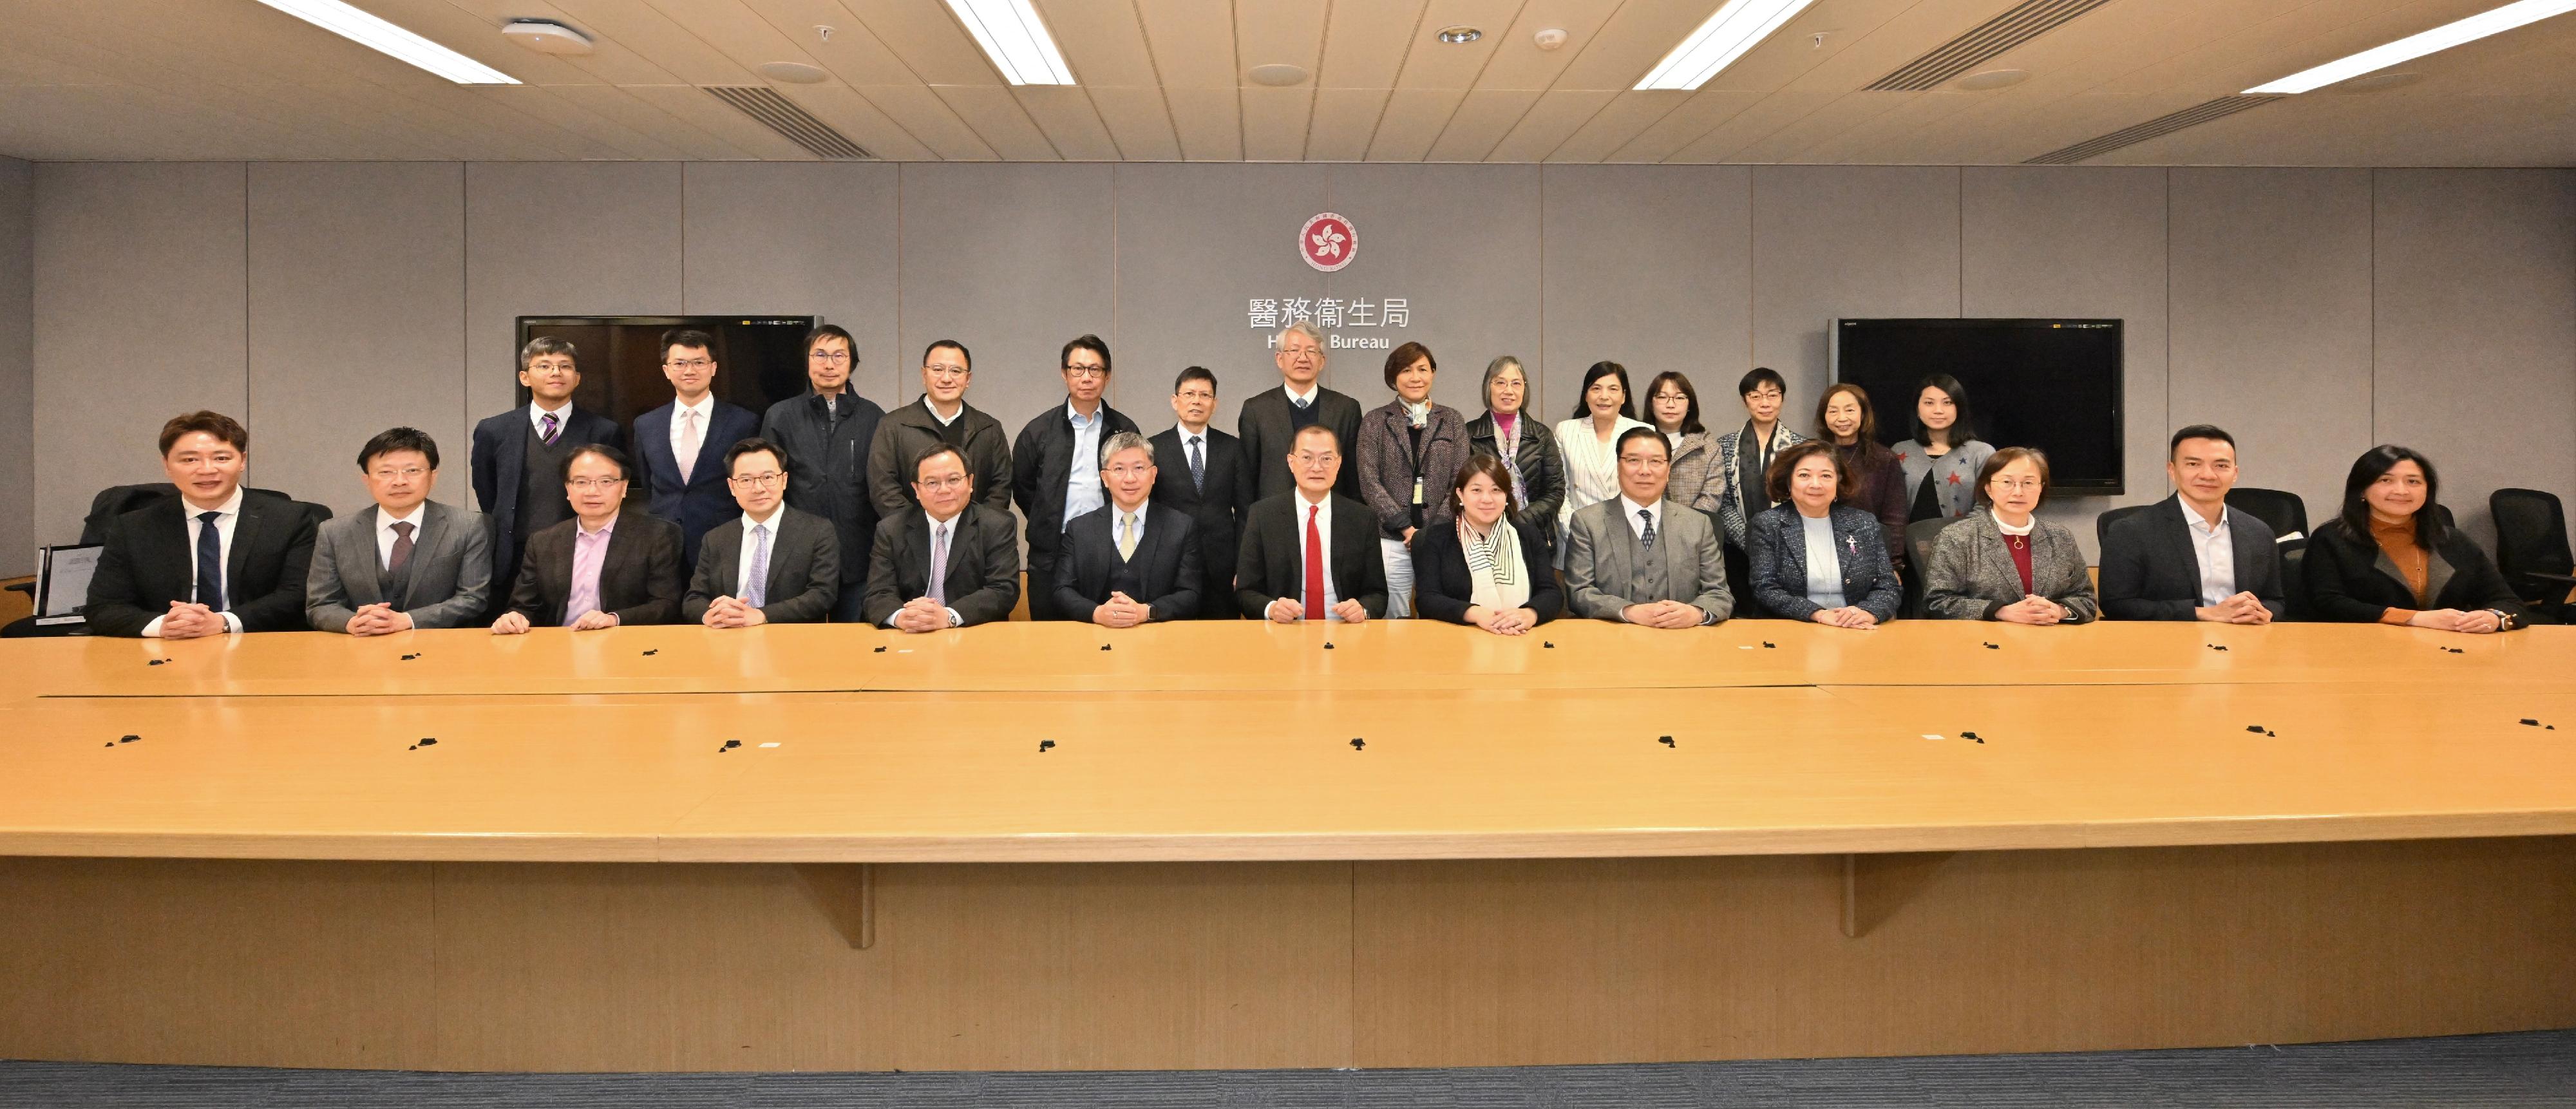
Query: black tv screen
pixel 759 359
pixel 2050 384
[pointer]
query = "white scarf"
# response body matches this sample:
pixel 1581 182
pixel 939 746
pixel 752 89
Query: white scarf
pixel 1497 579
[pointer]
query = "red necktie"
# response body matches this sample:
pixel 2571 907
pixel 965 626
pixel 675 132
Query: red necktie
pixel 1314 565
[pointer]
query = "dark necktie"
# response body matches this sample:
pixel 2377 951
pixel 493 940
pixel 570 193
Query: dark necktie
pixel 401 555
pixel 550 429
pixel 1314 565
pixel 210 561
pixel 1198 466
pixel 1646 539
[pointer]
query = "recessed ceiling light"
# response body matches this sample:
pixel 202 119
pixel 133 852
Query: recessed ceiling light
pixel 2444 37
pixel 1738 26
pixel 794 73
pixel 1015 39
pixel 2378 81
pixel 376 34
pixel 1460 34
pixel 1993 79
pixel 1277 75
pixel 545 36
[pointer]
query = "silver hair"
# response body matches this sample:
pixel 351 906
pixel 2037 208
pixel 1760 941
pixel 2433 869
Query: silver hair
pixel 545 344
pixel 1300 327
pixel 1494 369
pixel 1125 440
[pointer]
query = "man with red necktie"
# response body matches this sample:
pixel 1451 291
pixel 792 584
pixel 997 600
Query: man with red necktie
pixel 1311 553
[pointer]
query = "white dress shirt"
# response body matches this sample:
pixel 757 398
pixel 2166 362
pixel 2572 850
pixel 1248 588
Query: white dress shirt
pixel 941 531
pixel 1118 516
pixel 385 522
pixel 224 524
pixel 537 414
pixel 948 419
pixel 1636 523
pixel 704 411
pixel 1591 466
pixel 742 566
pixel 2214 547
pixel 1324 534
pixel 1082 489
pixel 1301 400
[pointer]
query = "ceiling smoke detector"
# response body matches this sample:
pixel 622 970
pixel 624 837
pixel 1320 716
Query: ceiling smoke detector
pixel 1551 38
pixel 545 36
pixel 1277 75
pixel 793 73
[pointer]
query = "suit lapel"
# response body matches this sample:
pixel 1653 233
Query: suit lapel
pixel 2437 573
pixel 366 520
pixel 1793 547
pixel 246 530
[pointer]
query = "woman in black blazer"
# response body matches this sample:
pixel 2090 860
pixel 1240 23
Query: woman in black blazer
pixel 2389 559
pixel 1485 567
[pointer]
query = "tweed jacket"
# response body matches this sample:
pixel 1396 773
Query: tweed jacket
pixel 1972 574
pixel 1779 555
pixel 1387 471
pixel 1693 483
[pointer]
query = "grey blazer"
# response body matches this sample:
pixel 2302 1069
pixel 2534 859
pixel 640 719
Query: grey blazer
pixel 450 570
pixel 1972 574
pixel 804 570
pixel 1605 573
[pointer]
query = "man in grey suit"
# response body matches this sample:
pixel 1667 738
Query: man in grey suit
pixel 770 565
pixel 1627 559
pixel 407 561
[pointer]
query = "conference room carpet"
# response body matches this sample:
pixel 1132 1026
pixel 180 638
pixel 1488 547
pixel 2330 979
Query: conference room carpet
pixel 2526 1068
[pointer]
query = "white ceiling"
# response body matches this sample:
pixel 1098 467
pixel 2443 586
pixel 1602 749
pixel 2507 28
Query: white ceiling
pixel 1161 80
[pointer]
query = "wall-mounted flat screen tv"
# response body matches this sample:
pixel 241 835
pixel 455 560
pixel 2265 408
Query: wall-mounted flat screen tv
pixel 759 359
pixel 2050 384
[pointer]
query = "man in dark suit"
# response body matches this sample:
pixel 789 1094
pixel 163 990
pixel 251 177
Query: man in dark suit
pixel 406 561
pixel 212 560
pixel 947 562
pixel 601 569
pixel 826 433
pixel 517 458
pixel 679 447
pixel 941 415
pixel 770 565
pixel 1311 553
pixel 1202 471
pixel 2190 558
pixel 1055 465
pixel 1271 419
pixel 1124 564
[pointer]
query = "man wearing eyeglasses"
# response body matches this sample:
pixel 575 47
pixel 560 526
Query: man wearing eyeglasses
pixel 825 435
pixel 940 416
pixel 1628 560
pixel 950 561
pixel 406 561
pixel 770 565
pixel 1124 564
pixel 517 457
pixel 679 447
pixel 601 569
pixel 1055 465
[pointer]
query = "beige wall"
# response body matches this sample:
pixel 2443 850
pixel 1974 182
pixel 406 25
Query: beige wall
pixel 2314 312
pixel 17 369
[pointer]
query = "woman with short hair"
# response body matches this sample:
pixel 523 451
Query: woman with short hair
pixel 1815 557
pixel 2006 563
pixel 1521 443
pixel 1409 450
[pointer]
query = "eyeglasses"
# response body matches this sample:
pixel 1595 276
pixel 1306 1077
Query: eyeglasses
pixel 835 357
pixel 691 363
pixel 1128 471
pixel 1086 369
pixel 407 472
pixel 594 484
pixel 1316 459
pixel 2014 485
pixel 941 368
pixel 1763 394
pixel 768 480
pixel 1644 460
pixel 942 484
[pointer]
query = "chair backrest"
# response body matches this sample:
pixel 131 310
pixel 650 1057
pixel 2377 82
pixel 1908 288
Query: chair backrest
pixel 2294 591
pixel 1919 537
pixel 2283 511
pixel 117 500
pixel 2102 523
pixel 2531 532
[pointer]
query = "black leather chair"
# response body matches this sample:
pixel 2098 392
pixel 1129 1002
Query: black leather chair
pixel 2102 523
pixel 2284 512
pixel 2531 548
pixel 1919 537
pixel 110 503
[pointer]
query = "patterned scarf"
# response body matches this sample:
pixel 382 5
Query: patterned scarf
pixel 1497 580
pixel 1507 435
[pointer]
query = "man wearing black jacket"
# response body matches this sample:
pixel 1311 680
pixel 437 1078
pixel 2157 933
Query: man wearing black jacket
pixel 212 561
pixel 517 457
pixel 2190 557
pixel 1202 472
pixel 1055 464
pixel 826 433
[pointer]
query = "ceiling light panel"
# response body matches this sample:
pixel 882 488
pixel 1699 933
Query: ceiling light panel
pixel 1738 27
pixel 1015 39
pixel 376 34
pixel 2444 37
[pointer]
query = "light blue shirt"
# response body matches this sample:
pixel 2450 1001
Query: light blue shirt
pixel 1824 567
pixel 1082 490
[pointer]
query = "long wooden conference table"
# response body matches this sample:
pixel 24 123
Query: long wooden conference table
pixel 1251 845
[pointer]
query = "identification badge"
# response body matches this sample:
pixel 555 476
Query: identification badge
pixel 1417 490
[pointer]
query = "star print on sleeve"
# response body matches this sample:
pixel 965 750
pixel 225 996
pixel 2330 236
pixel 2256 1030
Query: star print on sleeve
pixel 1954 479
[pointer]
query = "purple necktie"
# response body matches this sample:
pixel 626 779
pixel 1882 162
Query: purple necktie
pixel 548 432
pixel 755 587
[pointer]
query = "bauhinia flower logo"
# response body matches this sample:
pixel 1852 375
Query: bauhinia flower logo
pixel 1328 242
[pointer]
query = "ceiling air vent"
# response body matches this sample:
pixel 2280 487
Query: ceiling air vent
pixel 792 123
pixel 2026 21
pixel 2158 127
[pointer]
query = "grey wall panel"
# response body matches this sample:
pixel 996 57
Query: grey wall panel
pixel 1460 245
pixel 2271 320
pixel 1650 267
pixel 1011 260
pixel 561 238
pixel 357 319
pixel 17 368
pixel 1842 241
pixel 140 306
pixel 798 238
pixel 2058 241
pixel 1197 243
pixel 2475 342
